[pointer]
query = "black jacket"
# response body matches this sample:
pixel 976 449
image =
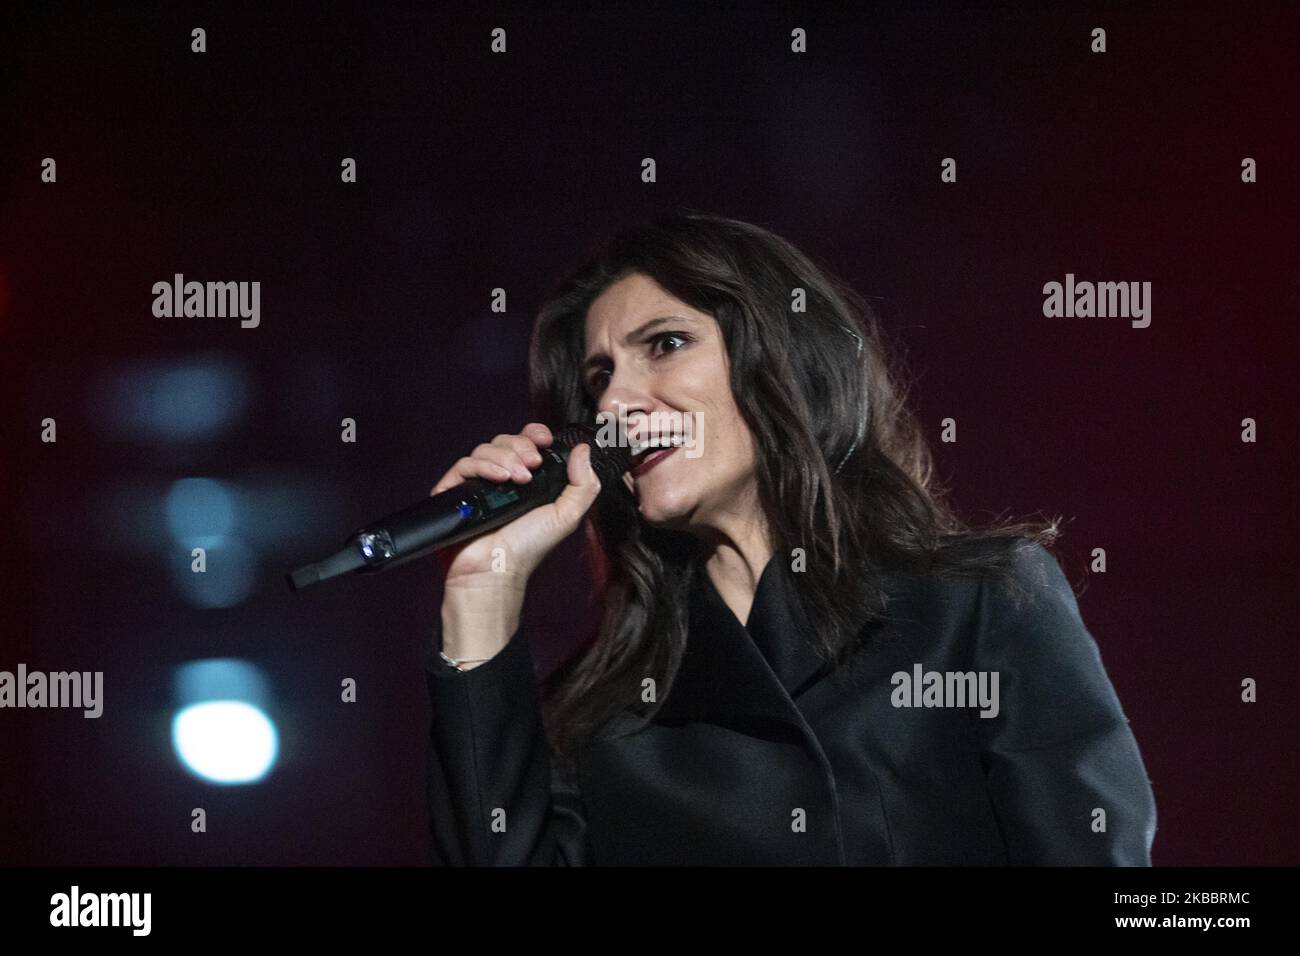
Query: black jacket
pixel 759 756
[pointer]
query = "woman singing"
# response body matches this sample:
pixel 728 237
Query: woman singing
pixel 803 656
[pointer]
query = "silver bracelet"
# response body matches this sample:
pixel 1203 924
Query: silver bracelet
pixel 452 662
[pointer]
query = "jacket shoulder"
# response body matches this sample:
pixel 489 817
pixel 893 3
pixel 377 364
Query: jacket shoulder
pixel 1027 628
pixel 978 573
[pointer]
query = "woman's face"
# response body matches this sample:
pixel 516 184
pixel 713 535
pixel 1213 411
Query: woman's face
pixel 677 371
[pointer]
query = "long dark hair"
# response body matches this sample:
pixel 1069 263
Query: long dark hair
pixel 843 468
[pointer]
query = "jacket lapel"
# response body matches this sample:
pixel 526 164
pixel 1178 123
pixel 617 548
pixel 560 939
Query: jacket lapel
pixel 730 671
pixel 726 681
pixel 777 627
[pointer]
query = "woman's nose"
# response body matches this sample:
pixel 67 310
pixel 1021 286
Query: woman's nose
pixel 624 402
pixel 628 417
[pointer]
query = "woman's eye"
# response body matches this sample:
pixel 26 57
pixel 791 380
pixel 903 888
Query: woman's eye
pixel 599 379
pixel 667 336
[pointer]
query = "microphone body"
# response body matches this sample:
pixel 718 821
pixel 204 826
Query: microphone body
pixel 471 508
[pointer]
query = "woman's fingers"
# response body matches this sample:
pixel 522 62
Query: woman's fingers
pixel 505 457
pixel 471 467
pixel 538 433
pixel 521 445
pixel 582 489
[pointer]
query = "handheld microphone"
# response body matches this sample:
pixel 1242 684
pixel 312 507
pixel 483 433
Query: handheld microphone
pixel 471 508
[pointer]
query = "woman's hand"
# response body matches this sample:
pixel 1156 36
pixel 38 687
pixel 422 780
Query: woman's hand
pixel 485 577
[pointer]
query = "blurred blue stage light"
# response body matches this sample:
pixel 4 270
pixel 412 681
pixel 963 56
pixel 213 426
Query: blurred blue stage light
pixel 196 399
pixel 201 513
pixel 199 508
pixel 228 578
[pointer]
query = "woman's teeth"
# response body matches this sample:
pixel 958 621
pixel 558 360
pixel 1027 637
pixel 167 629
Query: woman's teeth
pixel 666 441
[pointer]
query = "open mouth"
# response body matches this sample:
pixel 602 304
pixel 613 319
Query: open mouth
pixel 654 450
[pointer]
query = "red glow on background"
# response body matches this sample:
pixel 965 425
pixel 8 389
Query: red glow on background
pixel 4 296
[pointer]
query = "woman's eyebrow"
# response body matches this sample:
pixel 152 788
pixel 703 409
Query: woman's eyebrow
pixel 640 330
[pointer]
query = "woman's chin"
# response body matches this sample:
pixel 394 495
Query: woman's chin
pixel 663 511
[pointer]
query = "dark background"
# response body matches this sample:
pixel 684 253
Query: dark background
pixel 478 170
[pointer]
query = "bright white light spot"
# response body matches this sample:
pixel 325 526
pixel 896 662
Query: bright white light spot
pixel 225 741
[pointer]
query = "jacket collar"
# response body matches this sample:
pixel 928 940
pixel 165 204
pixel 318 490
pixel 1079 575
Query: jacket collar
pixel 730 670
pixel 726 680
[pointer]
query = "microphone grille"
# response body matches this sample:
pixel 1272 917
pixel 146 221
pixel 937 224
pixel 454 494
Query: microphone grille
pixel 609 464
